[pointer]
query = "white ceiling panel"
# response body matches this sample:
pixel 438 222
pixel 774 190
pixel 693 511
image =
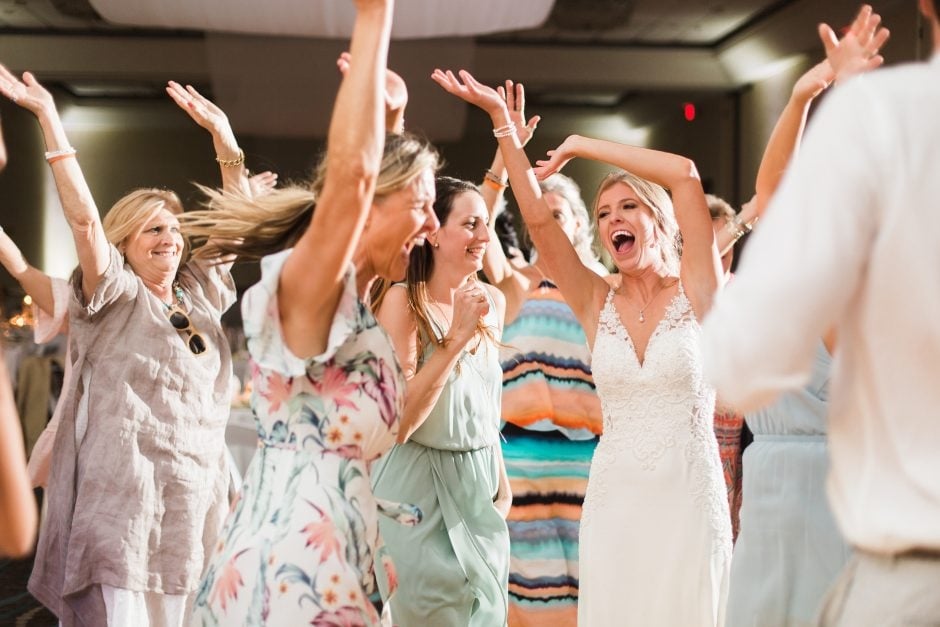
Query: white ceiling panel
pixel 414 19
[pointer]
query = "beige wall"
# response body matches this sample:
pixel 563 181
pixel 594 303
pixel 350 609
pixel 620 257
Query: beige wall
pixel 133 143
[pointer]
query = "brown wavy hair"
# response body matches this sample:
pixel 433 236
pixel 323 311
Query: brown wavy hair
pixel 421 267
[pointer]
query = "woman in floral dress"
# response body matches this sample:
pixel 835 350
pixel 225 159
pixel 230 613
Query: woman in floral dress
pixel 299 544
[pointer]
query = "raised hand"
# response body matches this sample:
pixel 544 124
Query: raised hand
pixel 27 93
pixel 514 95
pixel 203 111
pixel 470 304
pixel 396 91
pixel 556 159
pixel 470 90
pixel 858 50
pixel 814 81
pixel 262 183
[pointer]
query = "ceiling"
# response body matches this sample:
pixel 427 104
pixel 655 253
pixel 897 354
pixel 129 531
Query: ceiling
pixel 580 53
pixel 599 22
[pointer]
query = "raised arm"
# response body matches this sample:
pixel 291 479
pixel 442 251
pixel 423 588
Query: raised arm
pixel 33 281
pixel 581 287
pixel 208 115
pixel 311 279
pixel 80 210
pixel 856 52
pixel 701 266
pixel 17 505
pixel 427 379
pixel 496 266
pixel 396 95
pixel 3 151
pixel 785 137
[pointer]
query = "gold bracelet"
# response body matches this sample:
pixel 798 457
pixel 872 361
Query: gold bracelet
pixel 232 163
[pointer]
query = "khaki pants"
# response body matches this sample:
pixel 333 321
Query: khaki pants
pixel 881 591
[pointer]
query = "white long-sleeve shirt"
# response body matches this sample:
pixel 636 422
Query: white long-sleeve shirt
pixel 852 239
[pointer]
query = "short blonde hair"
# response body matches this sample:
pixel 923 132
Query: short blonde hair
pixel 128 216
pixel 660 204
pixel 719 208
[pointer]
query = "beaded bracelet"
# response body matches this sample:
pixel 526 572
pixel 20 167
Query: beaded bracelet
pixel 504 131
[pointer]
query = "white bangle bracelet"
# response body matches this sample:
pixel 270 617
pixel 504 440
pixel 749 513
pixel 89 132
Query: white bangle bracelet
pixel 52 154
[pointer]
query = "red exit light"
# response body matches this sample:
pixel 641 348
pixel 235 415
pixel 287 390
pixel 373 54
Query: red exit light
pixel 688 110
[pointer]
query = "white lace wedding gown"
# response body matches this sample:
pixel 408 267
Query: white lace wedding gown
pixel 655 540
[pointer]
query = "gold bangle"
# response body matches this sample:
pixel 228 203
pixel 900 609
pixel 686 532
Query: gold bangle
pixel 232 163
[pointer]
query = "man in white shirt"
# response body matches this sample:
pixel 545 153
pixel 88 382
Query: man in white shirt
pixel 852 240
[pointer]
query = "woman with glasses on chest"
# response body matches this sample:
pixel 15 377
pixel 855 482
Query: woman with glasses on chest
pixel 138 487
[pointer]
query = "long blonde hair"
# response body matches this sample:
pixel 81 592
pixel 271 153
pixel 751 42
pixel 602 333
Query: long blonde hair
pixel 251 228
pixel 664 215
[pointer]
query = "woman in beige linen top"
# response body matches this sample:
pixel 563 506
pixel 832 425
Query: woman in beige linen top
pixel 137 492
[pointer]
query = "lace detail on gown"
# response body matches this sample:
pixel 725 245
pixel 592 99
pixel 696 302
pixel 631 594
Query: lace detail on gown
pixel 655 407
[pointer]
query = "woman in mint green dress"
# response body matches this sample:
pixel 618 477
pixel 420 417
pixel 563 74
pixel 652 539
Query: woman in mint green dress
pixel 453 567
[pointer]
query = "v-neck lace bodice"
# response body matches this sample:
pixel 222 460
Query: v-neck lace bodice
pixel 655 516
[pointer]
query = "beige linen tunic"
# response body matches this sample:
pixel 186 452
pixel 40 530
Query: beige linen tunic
pixel 139 501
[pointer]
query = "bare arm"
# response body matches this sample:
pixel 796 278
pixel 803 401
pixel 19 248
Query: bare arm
pixel 310 281
pixel 34 282
pixel 396 95
pixel 701 266
pixel 18 517
pixel 856 52
pixel 3 151
pixel 496 266
pixel 209 116
pixel 727 236
pixel 426 380
pixel 581 287
pixel 503 501
pixel 80 210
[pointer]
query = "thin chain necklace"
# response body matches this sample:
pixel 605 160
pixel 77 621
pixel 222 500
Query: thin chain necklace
pixel 649 301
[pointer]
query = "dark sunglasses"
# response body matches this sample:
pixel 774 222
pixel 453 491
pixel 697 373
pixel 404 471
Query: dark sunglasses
pixel 181 322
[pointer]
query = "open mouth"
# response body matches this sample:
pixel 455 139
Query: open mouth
pixel 414 243
pixel 622 240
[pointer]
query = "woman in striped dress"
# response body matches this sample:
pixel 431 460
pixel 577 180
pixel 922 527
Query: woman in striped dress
pixel 551 413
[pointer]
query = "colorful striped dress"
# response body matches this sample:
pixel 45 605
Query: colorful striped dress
pixel 552 418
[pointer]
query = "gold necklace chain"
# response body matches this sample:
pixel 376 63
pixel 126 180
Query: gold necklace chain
pixel 649 302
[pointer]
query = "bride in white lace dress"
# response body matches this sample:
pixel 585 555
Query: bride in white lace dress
pixel 655 542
